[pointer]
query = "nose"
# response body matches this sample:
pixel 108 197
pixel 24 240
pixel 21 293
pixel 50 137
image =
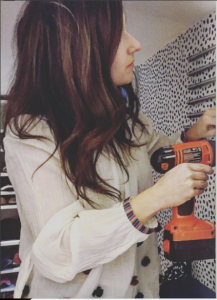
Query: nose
pixel 135 45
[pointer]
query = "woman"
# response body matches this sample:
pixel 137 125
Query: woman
pixel 77 153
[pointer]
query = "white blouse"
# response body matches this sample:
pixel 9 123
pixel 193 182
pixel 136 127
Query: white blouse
pixel 67 248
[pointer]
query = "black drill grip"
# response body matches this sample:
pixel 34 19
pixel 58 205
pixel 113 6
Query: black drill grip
pixel 187 208
pixel 213 146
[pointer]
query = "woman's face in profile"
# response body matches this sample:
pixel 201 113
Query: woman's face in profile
pixel 122 67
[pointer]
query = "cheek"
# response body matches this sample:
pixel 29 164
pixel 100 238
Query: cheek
pixel 118 70
pixel 115 70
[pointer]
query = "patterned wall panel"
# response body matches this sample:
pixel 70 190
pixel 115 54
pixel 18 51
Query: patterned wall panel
pixel 164 93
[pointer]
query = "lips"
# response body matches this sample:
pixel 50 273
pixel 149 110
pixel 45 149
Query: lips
pixel 131 65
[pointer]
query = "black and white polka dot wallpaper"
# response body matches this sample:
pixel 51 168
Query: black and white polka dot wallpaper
pixel 163 91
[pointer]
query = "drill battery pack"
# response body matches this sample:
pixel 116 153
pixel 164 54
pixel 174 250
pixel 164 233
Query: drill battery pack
pixel 187 238
pixel 181 251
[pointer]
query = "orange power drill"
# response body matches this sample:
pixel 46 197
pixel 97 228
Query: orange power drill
pixel 186 238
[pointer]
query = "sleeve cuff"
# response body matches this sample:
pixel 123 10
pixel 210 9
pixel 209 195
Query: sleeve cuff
pixel 133 219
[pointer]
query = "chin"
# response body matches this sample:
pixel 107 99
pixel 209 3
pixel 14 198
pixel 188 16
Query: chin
pixel 130 79
pixel 122 80
pixel 126 81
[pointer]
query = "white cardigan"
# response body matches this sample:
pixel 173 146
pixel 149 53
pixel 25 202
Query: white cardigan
pixel 62 237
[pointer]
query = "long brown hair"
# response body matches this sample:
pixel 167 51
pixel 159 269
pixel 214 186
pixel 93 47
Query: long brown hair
pixel 65 50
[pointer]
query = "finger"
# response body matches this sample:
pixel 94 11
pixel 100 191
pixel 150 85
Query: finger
pixel 201 168
pixel 209 118
pixel 200 176
pixel 211 111
pixel 198 192
pixel 200 184
pixel 211 132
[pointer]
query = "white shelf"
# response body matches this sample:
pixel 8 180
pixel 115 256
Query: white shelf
pixel 4 193
pixel 8 207
pixel 10 243
pixel 4 174
pixel 10 270
pixel 11 288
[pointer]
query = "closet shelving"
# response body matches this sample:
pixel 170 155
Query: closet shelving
pixel 4 193
pixel 8 207
pixel 9 271
pixel 10 243
pixel 7 211
pixel 11 288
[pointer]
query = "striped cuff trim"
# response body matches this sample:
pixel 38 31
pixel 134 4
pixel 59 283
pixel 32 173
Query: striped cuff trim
pixel 133 219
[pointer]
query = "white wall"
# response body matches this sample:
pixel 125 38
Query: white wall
pixel 9 12
pixel 157 23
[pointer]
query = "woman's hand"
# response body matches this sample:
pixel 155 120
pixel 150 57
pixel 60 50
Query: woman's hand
pixel 181 184
pixel 173 189
pixel 205 127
